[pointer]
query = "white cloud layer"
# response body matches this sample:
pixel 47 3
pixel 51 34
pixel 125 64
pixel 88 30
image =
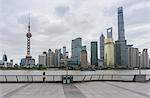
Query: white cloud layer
pixel 54 23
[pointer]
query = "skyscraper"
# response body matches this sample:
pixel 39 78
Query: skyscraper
pixel 83 59
pixel 120 44
pixel 57 57
pixel 102 38
pixel 76 47
pixel 145 58
pixel 94 53
pixel 121 31
pixel 109 50
pixel 42 59
pixel 64 52
pixel 5 58
pixel 50 58
pixel 133 57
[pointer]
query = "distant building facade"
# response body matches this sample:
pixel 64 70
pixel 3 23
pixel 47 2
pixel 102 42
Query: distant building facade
pixel 5 57
pixel 94 53
pixel 133 57
pixel 76 47
pixel 50 58
pixel 145 59
pixel 42 59
pixel 64 51
pixel 120 44
pixel 83 59
pixel 102 39
pixel 57 57
pixel 109 50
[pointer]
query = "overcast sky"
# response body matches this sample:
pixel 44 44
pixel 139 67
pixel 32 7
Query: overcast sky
pixel 54 23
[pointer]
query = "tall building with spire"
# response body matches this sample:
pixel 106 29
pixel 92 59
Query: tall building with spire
pixel 120 44
pixel 102 38
pixel 28 61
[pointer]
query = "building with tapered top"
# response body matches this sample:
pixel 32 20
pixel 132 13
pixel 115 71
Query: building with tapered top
pixel 102 39
pixel 109 50
pixel 120 44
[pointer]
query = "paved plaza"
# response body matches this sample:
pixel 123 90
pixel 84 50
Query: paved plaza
pixel 76 90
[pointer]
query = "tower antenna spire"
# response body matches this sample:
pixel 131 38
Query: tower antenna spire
pixel 29 23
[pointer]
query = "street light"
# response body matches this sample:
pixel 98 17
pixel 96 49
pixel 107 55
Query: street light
pixel 139 64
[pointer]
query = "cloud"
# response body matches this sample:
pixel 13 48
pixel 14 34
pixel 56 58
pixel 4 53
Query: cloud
pixel 61 10
pixel 54 23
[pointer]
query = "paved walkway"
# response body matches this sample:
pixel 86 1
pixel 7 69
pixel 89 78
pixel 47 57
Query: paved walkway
pixel 77 90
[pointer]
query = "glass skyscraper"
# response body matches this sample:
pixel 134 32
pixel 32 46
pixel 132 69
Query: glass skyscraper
pixel 76 48
pixel 120 45
pixel 94 53
pixel 102 38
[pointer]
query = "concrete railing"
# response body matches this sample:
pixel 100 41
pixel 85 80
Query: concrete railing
pixel 59 78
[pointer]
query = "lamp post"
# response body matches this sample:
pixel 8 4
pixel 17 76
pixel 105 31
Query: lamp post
pixel 66 64
pixel 139 64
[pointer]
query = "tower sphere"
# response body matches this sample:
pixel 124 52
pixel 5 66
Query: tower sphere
pixel 29 35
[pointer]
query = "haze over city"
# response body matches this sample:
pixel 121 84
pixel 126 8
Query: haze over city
pixel 55 23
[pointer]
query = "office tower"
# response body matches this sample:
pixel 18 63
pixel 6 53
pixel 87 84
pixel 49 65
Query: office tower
pixel 102 38
pixel 4 57
pixel 57 57
pixel 145 58
pixel 76 47
pixel 133 58
pixel 83 59
pixel 109 50
pixel 42 59
pixel 120 44
pixel 141 59
pixel 64 51
pixel 50 58
pixel 94 53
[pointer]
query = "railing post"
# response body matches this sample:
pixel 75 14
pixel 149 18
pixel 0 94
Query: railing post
pixel 102 77
pixel 32 78
pixel 84 78
pixel 16 78
pixel 99 77
pixel 27 78
pixel 112 77
pixel 5 78
pixel 91 78
pixel 53 78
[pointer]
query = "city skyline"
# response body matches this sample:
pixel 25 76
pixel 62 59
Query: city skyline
pixel 50 33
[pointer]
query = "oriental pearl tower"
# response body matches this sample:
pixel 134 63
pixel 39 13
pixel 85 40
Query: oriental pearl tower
pixel 28 35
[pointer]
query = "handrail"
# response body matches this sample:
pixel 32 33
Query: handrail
pixel 31 78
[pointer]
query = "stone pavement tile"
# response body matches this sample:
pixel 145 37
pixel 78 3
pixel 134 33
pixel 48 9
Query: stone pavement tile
pixel 103 90
pixel 136 87
pixel 41 90
pixel 72 91
pixel 76 90
pixel 8 87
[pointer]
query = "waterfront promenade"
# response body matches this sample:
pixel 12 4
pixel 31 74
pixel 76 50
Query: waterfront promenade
pixel 92 89
pixel 76 90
